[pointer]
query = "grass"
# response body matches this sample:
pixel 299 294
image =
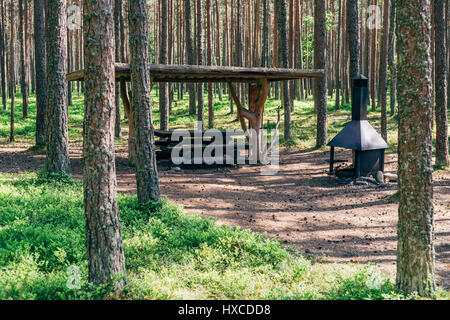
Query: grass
pixel 303 120
pixel 169 254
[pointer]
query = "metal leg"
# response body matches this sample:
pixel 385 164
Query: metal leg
pixel 357 164
pixel 331 160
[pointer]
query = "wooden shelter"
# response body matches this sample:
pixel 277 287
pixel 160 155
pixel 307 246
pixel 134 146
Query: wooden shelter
pixel 186 73
pixel 257 78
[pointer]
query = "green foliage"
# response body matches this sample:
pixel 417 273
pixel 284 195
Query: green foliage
pixel 169 254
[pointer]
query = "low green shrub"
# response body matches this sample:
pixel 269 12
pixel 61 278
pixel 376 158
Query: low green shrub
pixel 169 254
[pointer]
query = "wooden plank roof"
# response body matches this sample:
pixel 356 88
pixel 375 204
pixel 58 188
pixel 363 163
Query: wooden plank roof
pixel 187 73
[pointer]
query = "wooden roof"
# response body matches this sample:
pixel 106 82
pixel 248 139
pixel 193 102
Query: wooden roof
pixel 187 73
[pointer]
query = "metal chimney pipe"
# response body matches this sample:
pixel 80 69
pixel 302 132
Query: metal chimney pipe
pixel 360 98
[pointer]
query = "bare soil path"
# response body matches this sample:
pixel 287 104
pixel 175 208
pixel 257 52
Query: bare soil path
pixel 301 205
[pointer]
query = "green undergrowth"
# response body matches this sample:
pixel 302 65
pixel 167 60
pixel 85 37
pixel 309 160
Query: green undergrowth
pixel 169 254
pixel 303 119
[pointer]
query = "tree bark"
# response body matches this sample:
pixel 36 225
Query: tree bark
pixel 12 77
pixel 23 66
pixel 209 48
pixel 199 53
pixel 189 52
pixel 57 132
pixel 353 37
pixel 441 68
pixel 3 45
pixel 146 166
pixel 391 58
pixel 163 59
pixel 40 69
pixel 338 60
pixel 415 250
pixel 320 62
pixel 284 55
pixel 117 39
pixel 106 260
pixel 383 67
pixel 373 65
pixel 69 66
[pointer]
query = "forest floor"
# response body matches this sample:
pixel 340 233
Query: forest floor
pixel 301 205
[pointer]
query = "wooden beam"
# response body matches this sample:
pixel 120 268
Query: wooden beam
pixel 187 73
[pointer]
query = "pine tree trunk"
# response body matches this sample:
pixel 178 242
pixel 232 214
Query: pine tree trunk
pixel 40 69
pixel 199 53
pixel 146 166
pixel 189 53
pixel 3 53
pixel 441 83
pixel 415 250
pixel 291 52
pixel 117 40
pixel 12 76
pixel 338 59
pixel 373 65
pixel 23 67
pixel 69 66
pixel 106 260
pixel 383 68
pixel 163 59
pixel 353 37
pixel 284 55
pixel 320 85
pixel 57 132
pixel 266 46
pixel 209 49
pixel 391 58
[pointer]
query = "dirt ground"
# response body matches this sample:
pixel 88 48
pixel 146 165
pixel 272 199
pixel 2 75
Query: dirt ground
pixel 301 205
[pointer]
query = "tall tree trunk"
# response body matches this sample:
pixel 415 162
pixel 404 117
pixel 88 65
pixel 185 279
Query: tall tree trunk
pixel 440 30
pixel 320 61
pixel 353 37
pixel 163 59
pixel 373 65
pixel 23 66
pixel 40 69
pixel 146 166
pixel 291 52
pixel 3 45
pixel 391 57
pixel 367 41
pixel 338 59
pixel 383 67
pixel 284 55
pixel 265 31
pixel 189 52
pixel 12 76
pixel 209 49
pixel 57 132
pixel 275 47
pixel 69 66
pixel 199 35
pixel 117 16
pixel 415 250
pixel 106 260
